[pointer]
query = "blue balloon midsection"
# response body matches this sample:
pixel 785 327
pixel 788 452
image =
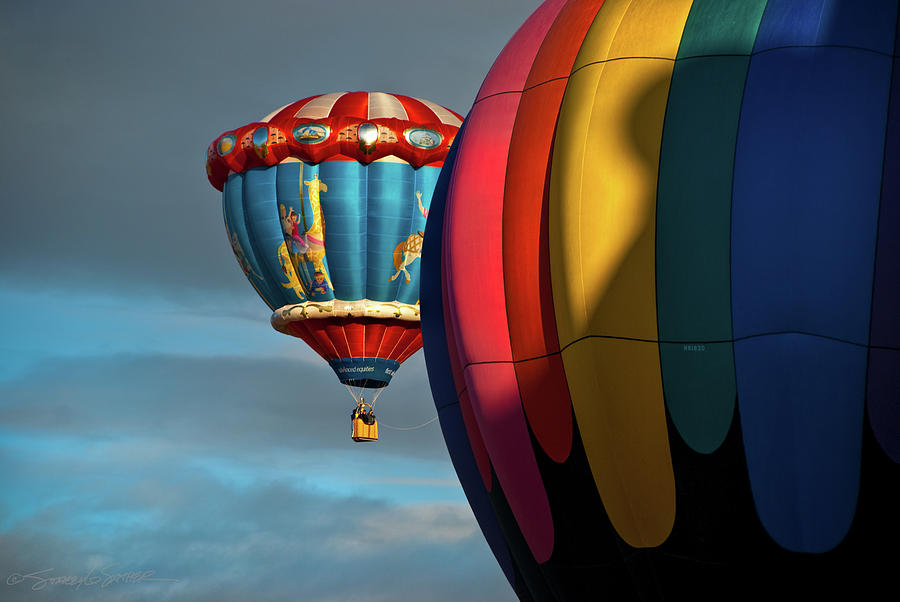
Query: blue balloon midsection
pixel 335 230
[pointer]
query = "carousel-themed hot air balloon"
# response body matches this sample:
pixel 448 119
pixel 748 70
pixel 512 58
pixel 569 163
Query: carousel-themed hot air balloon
pixel 325 202
pixel 661 301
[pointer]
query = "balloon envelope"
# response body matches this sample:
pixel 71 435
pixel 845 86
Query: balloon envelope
pixel 325 202
pixel 660 299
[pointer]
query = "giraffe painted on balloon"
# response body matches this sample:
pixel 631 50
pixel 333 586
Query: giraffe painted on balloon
pixel 410 249
pixel 287 268
pixel 315 235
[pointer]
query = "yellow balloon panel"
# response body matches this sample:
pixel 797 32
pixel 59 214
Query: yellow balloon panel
pixel 617 395
pixel 604 174
pixel 603 200
pixel 602 34
pixel 602 220
pixel 634 28
pixel 565 203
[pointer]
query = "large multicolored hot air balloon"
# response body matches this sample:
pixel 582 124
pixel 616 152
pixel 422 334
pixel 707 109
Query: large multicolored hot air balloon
pixel 661 300
pixel 325 203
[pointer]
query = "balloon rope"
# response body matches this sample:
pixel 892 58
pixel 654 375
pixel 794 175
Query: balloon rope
pixel 375 394
pixel 353 393
pixel 406 428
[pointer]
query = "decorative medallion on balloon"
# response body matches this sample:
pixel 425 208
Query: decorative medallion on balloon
pixel 311 133
pixel 423 138
pixel 226 144
pixel 367 134
pixel 260 138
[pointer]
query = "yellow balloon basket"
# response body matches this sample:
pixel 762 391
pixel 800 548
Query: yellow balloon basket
pixel 365 426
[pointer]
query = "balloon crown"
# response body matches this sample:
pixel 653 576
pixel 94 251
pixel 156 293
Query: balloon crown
pixel 359 126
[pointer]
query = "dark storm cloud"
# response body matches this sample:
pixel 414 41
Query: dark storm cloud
pixel 109 107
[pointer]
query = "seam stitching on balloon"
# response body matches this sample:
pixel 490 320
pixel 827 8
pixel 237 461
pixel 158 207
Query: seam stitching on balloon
pixel 523 90
pixel 668 342
pixel 843 46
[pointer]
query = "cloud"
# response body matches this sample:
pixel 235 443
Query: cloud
pixel 448 523
pixel 411 481
pixel 233 474
pixel 207 403
pixel 186 466
pixel 266 539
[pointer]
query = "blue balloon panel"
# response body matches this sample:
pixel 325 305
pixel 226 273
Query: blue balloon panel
pixel 801 405
pixel 350 231
pixel 807 185
pixel 238 237
pixel 265 233
pixel 865 25
pixel 390 202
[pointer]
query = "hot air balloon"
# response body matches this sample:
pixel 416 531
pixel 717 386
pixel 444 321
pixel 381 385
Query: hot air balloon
pixel 325 202
pixel 660 301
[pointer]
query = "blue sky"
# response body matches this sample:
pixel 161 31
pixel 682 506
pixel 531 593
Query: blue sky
pixel 150 419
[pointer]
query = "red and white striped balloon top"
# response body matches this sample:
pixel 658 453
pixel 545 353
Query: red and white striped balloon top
pixel 335 120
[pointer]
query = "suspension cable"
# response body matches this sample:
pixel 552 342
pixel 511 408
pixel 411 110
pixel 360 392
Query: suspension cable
pixel 407 428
